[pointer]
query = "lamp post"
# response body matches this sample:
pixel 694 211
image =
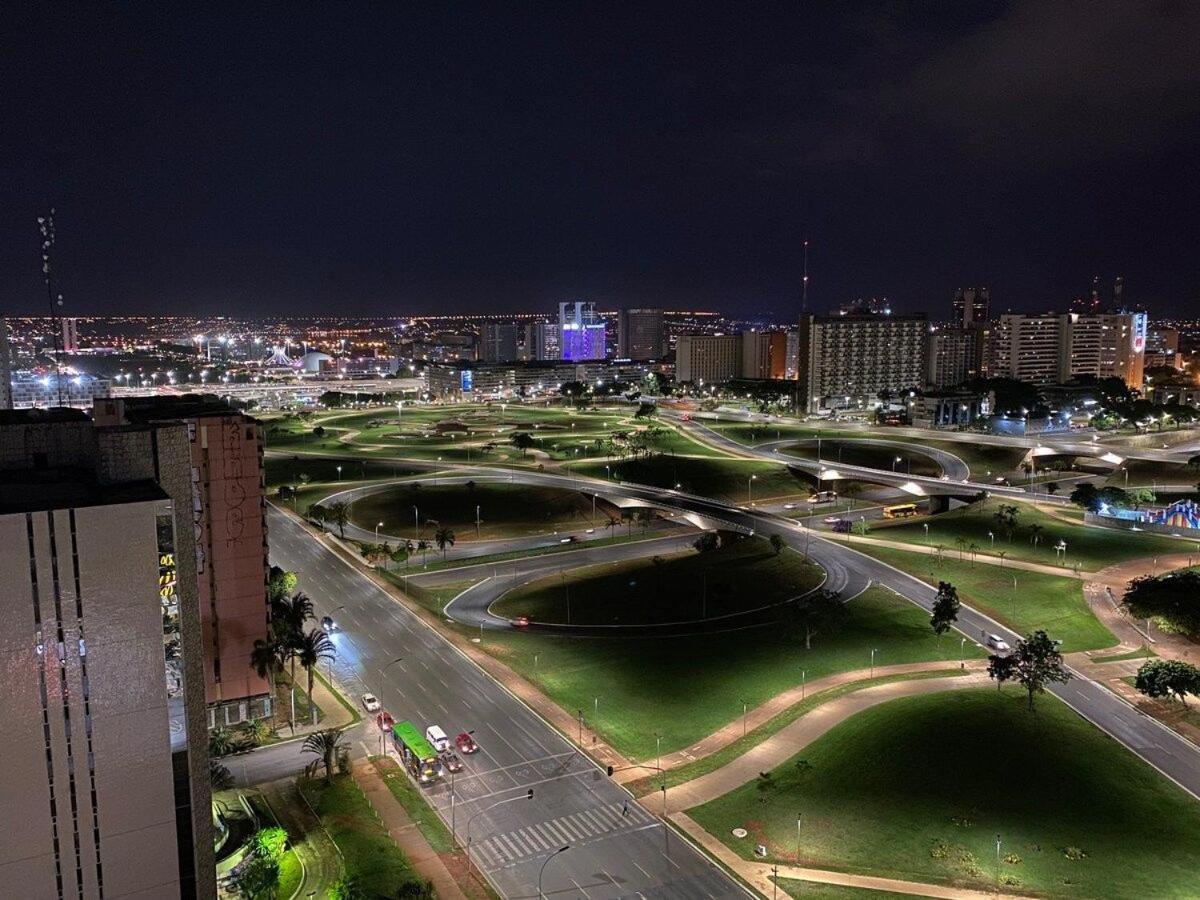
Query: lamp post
pixel 561 849
pixel 378 525
pixel 749 489
pixel 416 524
pixel 744 708
pixel 896 462
pixel 528 795
pixel 873 652
pixel 339 468
pixel 991 540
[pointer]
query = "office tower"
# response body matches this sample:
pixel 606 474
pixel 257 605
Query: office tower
pixel 845 361
pixel 6 398
pixel 221 485
pixel 764 354
pixel 547 342
pixel 1162 348
pixel 499 342
pixel 708 358
pixel 105 778
pixel 793 354
pixel 640 334
pixel 581 331
pixel 971 305
pixel 1057 347
pixel 954 354
pixel 70 335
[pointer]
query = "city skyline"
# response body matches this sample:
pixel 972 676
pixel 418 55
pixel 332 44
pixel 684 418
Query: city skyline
pixel 684 166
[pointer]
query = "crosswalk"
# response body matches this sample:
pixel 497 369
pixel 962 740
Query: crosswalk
pixel 502 850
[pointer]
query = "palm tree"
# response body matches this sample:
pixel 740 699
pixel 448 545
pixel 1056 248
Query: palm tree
pixel 973 549
pixel 269 657
pixel 611 524
pixel 444 538
pixel 422 546
pixel 219 776
pixel 311 649
pixel 1035 533
pixel 220 741
pixel 961 543
pixel 339 514
pixel 326 745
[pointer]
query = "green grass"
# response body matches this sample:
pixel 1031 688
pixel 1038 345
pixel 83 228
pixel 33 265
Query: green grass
pixel 982 459
pixel 919 788
pixel 287 470
pixel 756 736
pixel 834 452
pixel 723 479
pixel 291 873
pixel 688 687
pixel 370 856
pixel 1051 602
pixel 741 575
pixel 1090 547
pixel 505 510
pixel 1140 653
pixel 415 804
pixel 813 890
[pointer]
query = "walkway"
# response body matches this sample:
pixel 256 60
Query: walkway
pixel 404 831
pixel 795 736
pixel 985 558
pixel 759 875
pixel 781 702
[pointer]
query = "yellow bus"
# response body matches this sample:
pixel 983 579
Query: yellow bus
pixel 900 511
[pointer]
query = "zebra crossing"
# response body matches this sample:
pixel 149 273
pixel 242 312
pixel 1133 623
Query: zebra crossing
pixel 502 850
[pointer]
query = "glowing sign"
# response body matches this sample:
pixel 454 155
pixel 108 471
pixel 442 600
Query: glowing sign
pixel 1139 332
pixel 466 380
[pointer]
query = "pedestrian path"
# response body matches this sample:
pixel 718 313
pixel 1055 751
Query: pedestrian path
pixel 985 558
pixel 512 847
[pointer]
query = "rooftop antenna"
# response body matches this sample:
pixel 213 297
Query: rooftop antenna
pixel 804 284
pixel 46 226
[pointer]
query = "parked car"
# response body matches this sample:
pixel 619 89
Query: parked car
pixel 437 737
pixel 371 703
pixel 450 760
pixel 465 743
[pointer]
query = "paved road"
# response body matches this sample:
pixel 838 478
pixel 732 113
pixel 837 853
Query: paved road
pixel 612 855
pixel 952 466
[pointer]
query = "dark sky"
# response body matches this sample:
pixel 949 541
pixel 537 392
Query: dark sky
pixel 394 159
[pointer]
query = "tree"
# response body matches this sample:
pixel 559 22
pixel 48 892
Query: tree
pixel 523 441
pixel 219 776
pixel 1140 496
pixel 221 741
pixel 708 542
pixel 945 608
pixel 338 513
pixel 1034 663
pixel 1171 600
pixel 319 431
pixel 1085 495
pixel 280 584
pixel 1167 678
pixel 255 876
pixel 310 650
pixel 326 745
pixel 1052 488
pixel 961 543
pixel 444 538
pixel 645 410
pixel 815 612
pixel 1035 533
pixel 777 544
pixel 317 513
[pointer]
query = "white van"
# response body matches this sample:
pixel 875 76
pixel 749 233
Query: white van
pixel 998 643
pixel 437 737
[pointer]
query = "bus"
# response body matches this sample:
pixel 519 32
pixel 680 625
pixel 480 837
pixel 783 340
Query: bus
pixel 418 754
pixel 900 511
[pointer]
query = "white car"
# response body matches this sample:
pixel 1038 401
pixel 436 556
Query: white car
pixel 371 703
pixel 437 737
pixel 998 643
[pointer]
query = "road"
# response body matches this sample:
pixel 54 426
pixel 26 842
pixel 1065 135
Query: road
pixel 611 855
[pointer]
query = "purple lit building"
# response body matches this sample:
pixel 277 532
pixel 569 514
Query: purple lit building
pixel 581 331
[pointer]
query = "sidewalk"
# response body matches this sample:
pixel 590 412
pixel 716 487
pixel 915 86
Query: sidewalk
pixel 404 832
pixel 759 874
pixel 763 713
pixel 334 714
pixel 795 736
pixel 985 558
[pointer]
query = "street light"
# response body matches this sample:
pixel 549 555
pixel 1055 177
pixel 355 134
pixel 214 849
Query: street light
pixel 339 468
pixel 378 525
pixel 749 492
pixel 873 652
pixel 896 462
pixel 561 849
pixel 926 524
pixel 992 541
pixel 528 795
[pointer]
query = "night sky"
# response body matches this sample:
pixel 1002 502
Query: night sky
pixel 394 159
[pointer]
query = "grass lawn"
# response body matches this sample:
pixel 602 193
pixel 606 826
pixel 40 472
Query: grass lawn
pixel 919 788
pixel 1054 603
pixel 721 479
pixel 834 452
pixel 744 574
pixel 982 459
pixel 290 875
pixel 687 687
pixel 415 804
pixel 506 510
pixel 1090 547
pixel 288 470
pixel 369 855
pixel 1140 653
pixel 1147 472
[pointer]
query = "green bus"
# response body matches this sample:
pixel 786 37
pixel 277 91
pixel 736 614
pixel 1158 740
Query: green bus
pixel 418 754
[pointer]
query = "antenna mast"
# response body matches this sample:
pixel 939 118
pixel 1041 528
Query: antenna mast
pixel 46 226
pixel 804 288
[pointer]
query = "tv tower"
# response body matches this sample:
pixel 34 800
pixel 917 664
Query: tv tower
pixel 804 283
pixel 46 226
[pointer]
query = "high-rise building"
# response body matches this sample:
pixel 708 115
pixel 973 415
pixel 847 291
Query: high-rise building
pixel 499 342
pixel 70 335
pixel 547 341
pixel 104 787
pixel 845 361
pixel 1162 348
pixel 708 358
pixel 581 331
pixel 6 398
pixel 220 484
pixel 640 334
pixel 955 354
pixel 971 305
pixel 1058 347
pixel 764 354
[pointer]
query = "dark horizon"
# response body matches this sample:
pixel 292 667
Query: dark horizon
pixel 261 161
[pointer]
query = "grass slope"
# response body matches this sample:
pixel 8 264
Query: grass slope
pixel 919 788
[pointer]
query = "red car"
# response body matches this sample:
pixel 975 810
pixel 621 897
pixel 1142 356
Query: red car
pixel 385 721
pixel 465 743
pixel 522 621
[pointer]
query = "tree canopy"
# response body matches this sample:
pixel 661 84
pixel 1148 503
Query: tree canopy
pixel 1168 678
pixel 1034 663
pixel 1171 600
